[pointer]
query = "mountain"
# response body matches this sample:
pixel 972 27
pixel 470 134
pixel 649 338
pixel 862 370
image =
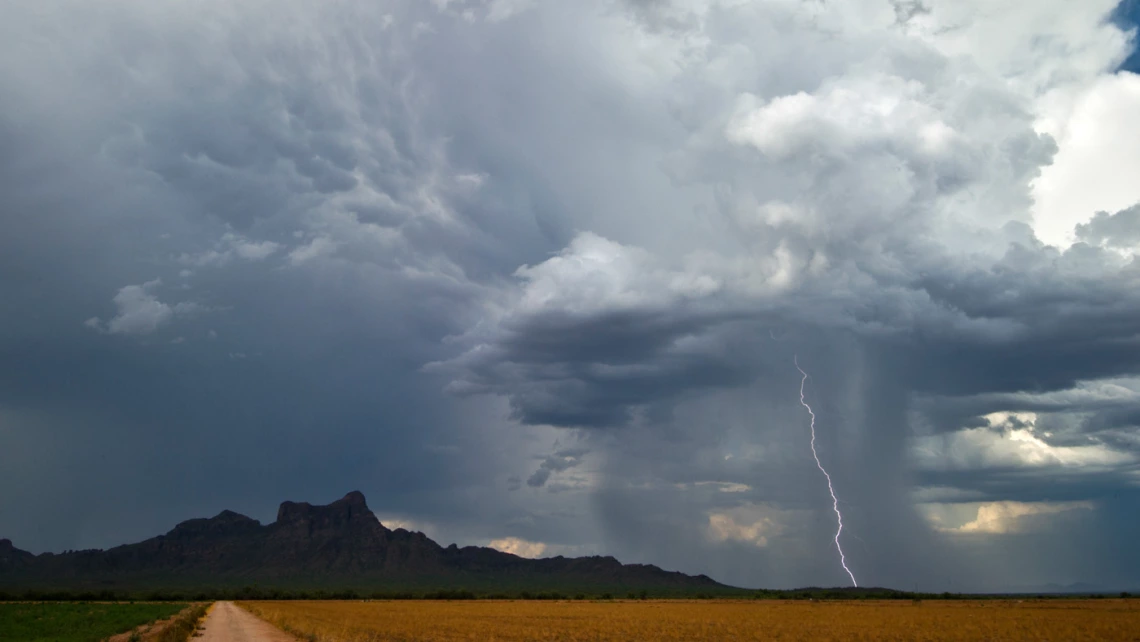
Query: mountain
pixel 340 545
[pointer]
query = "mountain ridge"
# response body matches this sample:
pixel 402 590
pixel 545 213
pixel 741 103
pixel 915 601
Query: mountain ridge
pixel 337 544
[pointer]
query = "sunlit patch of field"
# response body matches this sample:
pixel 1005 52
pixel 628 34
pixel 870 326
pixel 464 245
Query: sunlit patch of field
pixel 359 621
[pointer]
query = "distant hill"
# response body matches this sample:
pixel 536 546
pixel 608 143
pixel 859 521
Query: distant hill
pixel 338 546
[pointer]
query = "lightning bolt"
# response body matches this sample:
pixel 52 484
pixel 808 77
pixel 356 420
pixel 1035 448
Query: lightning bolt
pixel 830 488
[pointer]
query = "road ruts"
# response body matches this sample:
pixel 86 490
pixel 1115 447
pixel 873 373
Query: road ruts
pixel 228 623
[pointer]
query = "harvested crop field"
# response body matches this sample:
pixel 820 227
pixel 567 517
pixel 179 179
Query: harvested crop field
pixel 359 621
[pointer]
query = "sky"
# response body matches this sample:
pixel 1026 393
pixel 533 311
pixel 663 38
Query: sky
pixel 535 275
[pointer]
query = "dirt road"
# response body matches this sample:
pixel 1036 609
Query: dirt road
pixel 228 623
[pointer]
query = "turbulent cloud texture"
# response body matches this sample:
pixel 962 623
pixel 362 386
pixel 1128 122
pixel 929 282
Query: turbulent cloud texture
pixel 535 274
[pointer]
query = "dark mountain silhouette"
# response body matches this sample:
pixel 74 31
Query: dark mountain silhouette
pixel 339 545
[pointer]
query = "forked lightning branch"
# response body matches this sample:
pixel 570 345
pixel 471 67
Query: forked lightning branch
pixel 830 488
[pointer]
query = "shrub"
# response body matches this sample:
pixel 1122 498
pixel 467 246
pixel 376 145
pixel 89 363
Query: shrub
pixel 184 624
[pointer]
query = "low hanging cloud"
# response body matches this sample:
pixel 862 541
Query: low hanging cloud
pixel 557 462
pixel 589 338
pixel 595 332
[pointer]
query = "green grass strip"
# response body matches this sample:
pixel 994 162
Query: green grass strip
pixel 77 622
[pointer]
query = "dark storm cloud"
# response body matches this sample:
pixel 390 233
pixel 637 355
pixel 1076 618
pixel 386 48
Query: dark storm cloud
pixel 1043 484
pixel 593 372
pixel 1034 320
pixel 208 431
pixel 975 330
pixel 942 307
pixel 187 190
pixel 1078 416
pixel 244 248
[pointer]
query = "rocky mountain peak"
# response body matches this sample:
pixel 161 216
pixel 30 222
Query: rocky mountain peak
pixel 337 543
pixel 350 509
pixel 354 498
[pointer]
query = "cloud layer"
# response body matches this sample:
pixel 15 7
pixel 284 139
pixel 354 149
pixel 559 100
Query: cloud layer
pixel 535 274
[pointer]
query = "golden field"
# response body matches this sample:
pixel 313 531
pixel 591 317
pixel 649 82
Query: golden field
pixel 667 620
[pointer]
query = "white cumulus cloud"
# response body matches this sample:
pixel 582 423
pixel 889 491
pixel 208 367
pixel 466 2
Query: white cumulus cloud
pixel 1000 517
pixel 1006 443
pixel 140 311
pixel 749 523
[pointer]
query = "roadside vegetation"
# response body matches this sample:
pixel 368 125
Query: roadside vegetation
pixel 699 620
pixel 184 625
pixel 78 621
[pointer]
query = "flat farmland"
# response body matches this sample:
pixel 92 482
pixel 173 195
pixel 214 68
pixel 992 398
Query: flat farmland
pixel 360 621
pixel 76 622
